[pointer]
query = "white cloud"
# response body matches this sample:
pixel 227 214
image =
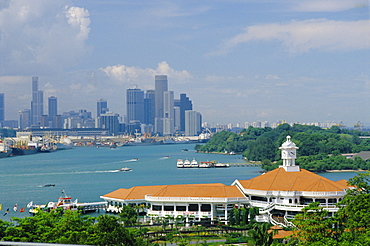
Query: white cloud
pixel 327 5
pixel 124 74
pixel 307 35
pixel 42 36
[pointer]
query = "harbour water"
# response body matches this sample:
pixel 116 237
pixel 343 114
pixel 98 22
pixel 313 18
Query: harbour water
pixel 86 173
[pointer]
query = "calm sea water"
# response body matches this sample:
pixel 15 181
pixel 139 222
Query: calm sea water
pixel 86 173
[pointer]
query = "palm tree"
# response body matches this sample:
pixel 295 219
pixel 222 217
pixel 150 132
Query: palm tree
pixel 259 235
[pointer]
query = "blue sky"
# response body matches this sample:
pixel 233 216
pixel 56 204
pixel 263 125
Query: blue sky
pixel 238 61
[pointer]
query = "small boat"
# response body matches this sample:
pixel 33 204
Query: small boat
pixel 125 169
pixel 166 157
pixel 185 150
pixel 221 165
pixel 134 159
pixel 48 185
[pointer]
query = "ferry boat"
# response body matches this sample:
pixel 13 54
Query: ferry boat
pixel 187 163
pixel 180 163
pixel 66 203
pixel 194 163
pixel 206 164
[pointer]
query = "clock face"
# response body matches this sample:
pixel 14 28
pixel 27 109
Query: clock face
pixel 284 153
pixel 291 153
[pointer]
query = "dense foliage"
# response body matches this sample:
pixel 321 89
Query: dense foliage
pixel 349 226
pixel 68 227
pixel 319 149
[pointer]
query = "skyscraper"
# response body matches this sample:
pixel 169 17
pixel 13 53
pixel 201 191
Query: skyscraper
pixel 161 85
pixel 185 104
pixel 2 108
pixel 149 107
pixel 193 123
pixel 24 118
pixel 37 104
pixel 135 105
pixel 102 107
pixel 53 109
pixel 168 113
pixel 110 122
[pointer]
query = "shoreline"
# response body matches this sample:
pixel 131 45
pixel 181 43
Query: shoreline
pixel 343 171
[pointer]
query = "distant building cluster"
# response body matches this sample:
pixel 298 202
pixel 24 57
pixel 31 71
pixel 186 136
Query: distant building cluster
pixel 262 124
pixel 151 112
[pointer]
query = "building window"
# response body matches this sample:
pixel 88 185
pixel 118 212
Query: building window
pixel 259 198
pixel 157 207
pixel 193 207
pixel 180 208
pixel 168 208
pixel 321 201
pixel 205 207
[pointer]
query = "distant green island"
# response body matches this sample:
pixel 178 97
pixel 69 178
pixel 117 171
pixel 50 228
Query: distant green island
pixel 319 150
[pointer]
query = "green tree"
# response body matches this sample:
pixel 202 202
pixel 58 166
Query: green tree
pixel 108 231
pixel 259 235
pixel 354 214
pixel 128 215
pixel 314 227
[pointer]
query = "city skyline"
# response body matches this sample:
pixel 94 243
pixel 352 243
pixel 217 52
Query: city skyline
pixel 238 61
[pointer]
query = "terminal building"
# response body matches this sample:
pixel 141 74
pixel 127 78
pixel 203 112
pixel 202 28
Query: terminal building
pixel 279 194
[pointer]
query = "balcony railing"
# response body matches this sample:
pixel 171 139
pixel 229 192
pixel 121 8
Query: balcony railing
pixel 196 199
pixel 294 193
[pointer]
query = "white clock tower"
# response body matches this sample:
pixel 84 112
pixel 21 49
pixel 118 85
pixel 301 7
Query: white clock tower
pixel 288 155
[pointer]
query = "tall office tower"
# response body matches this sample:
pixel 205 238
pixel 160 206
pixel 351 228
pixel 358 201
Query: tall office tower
pixel 110 122
pixel 168 113
pixel 102 107
pixel 177 118
pixel 2 108
pixel 149 107
pixel 24 118
pixel 53 109
pixel 185 104
pixel 135 105
pixel 193 123
pixel 37 104
pixel 161 85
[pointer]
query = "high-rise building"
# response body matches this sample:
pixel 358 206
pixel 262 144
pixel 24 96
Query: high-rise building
pixel 193 123
pixel 52 108
pixel 37 104
pixel 168 113
pixel 149 107
pixel 2 108
pixel 24 118
pixel 161 85
pixel 102 107
pixel 110 122
pixel 135 105
pixel 185 104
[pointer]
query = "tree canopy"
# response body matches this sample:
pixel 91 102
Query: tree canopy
pixel 319 149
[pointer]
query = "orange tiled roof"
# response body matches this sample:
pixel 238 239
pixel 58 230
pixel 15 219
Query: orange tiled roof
pixel 279 179
pixel 223 191
pixel 186 190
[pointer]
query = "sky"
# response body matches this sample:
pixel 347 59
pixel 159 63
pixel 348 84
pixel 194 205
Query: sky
pixel 237 60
